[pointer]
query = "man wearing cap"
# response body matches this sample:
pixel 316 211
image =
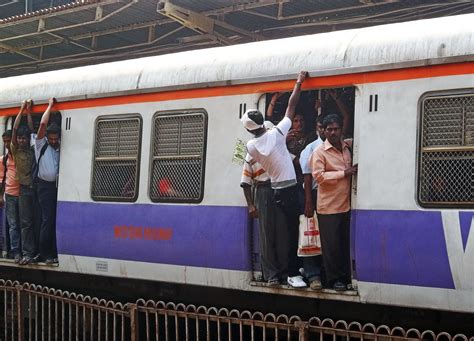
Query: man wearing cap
pixel 269 149
pixel 271 221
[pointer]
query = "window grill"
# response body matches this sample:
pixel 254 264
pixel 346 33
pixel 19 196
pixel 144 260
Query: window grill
pixel 116 159
pixel 446 175
pixel 178 148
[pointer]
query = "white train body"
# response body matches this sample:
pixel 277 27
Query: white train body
pixel 403 253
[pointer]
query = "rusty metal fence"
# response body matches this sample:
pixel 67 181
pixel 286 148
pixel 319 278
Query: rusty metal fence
pixel 32 312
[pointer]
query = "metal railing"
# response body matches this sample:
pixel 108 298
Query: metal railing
pixel 33 312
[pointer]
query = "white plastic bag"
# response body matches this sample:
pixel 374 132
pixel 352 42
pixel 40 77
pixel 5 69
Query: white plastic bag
pixel 309 242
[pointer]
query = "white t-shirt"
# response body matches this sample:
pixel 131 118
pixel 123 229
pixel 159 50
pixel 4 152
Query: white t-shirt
pixel 270 151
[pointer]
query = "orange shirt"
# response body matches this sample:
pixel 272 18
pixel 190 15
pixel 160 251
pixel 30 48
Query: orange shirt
pixel 328 165
pixel 12 186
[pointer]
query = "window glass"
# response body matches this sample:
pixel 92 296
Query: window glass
pixel 178 157
pixel 447 150
pixel 116 158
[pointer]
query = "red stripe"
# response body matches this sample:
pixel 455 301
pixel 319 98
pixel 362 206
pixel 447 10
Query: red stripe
pixel 311 83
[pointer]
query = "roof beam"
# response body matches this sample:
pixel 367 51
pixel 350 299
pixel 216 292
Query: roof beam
pixel 192 20
pixel 328 11
pixel 18 51
pixel 111 14
pixel 201 23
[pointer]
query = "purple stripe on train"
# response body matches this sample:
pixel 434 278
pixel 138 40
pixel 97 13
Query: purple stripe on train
pixel 202 236
pixel 395 247
pixel 401 247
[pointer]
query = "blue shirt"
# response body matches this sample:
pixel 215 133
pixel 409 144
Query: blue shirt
pixel 306 155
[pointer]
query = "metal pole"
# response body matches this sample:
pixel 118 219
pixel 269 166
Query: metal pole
pixel 28 6
pixel 19 290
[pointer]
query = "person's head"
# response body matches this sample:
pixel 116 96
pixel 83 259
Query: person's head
pixel 319 127
pixel 53 133
pixel 253 121
pixel 23 137
pixel 7 138
pixel 298 123
pixel 332 125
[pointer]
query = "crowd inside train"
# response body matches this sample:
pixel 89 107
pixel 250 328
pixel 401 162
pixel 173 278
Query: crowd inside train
pixel 29 186
pixel 290 171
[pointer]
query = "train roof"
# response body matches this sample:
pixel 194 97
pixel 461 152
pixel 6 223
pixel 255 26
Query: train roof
pixel 416 43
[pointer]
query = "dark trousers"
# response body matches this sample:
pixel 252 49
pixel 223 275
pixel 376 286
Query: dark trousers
pixel 47 198
pixel 272 234
pixel 26 203
pixel 11 210
pixel 334 231
pixel 288 200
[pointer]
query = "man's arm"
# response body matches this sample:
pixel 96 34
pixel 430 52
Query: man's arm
pixel 346 116
pixel 17 122
pixel 308 196
pixel 295 95
pixel 29 104
pixel 45 120
pixel 250 204
pixel 321 175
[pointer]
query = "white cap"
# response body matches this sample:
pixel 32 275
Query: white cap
pixel 248 123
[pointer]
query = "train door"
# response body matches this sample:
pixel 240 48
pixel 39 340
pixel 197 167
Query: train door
pixel 314 105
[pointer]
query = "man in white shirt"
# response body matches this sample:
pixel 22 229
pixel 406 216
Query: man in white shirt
pixel 47 156
pixel 269 149
pixel 271 221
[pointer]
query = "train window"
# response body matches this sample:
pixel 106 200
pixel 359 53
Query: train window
pixel 116 158
pixel 178 156
pixel 446 162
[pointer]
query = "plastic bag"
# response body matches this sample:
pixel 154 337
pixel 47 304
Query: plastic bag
pixel 309 241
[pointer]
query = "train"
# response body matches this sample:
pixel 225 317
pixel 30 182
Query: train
pixel 149 182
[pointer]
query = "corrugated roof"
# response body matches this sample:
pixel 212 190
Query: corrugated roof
pixel 74 33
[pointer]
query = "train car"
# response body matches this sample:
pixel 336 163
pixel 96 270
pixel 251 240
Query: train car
pixel 148 188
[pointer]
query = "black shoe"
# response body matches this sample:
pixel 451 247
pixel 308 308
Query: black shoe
pixel 29 260
pixel 51 261
pixel 339 286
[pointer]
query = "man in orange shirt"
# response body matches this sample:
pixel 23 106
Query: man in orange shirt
pixel 332 169
pixel 11 189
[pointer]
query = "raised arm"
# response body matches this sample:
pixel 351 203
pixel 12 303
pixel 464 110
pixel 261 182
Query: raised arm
pixel 346 116
pixel 271 105
pixel 295 95
pixel 29 120
pixel 45 119
pixel 17 122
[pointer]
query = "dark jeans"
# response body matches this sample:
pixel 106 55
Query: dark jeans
pixel 26 206
pixel 288 200
pixel 272 234
pixel 47 197
pixel 335 234
pixel 11 211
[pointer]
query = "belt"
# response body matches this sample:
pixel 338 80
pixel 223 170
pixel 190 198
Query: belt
pixel 261 183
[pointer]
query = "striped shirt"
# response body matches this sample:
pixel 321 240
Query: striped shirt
pixel 252 171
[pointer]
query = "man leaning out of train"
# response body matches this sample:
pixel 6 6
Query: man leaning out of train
pixel 11 189
pixel 269 149
pixel 47 145
pixel 24 161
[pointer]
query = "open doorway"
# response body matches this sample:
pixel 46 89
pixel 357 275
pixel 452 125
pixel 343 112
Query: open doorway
pixel 313 107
